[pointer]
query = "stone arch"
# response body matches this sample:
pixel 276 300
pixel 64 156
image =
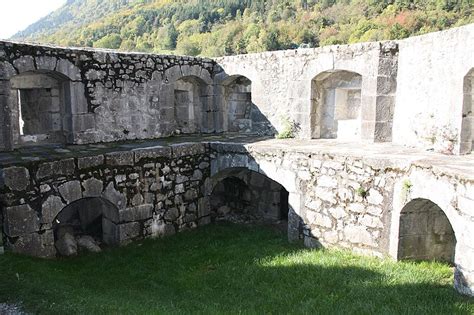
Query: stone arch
pixel 192 105
pixel 467 127
pixel 237 104
pixel 336 105
pixel 92 218
pixel 241 194
pixel 425 232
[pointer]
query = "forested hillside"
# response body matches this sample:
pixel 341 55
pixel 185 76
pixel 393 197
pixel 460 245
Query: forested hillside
pixel 227 27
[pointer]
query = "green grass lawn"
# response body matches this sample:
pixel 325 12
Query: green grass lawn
pixel 227 269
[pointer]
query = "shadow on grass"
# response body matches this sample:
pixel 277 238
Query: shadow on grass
pixel 226 269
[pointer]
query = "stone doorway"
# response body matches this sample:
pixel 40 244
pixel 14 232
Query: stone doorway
pixel 425 233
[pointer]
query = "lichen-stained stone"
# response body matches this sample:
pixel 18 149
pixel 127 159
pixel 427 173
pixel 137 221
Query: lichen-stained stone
pixel 184 149
pixel 171 214
pixel 69 69
pixel 49 169
pixel 15 178
pixel 35 244
pixel 71 191
pixel 90 161
pixel 50 209
pixel 152 153
pixel 46 63
pixel 92 187
pixel 6 70
pixel 138 213
pixel 129 231
pixel 24 64
pixel 114 196
pixel 20 220
pixel 119 158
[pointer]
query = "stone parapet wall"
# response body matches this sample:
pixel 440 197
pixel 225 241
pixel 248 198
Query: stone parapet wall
pixel 355 201
pixel 110 96
pixel 156 191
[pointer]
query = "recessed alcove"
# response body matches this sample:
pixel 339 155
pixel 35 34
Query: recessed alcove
pixel 190 104
pixel 336 105
pixel 39 111
pixel 425 233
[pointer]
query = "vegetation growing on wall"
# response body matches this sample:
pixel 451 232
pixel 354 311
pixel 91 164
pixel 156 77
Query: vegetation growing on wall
pixel 228 27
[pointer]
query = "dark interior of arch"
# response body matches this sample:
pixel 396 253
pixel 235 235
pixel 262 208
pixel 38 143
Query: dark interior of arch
pixel 247 196
pixel 90 219
pixel 425 233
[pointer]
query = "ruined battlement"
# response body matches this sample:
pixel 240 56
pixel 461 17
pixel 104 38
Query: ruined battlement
pixel 393 91
pixel 116 147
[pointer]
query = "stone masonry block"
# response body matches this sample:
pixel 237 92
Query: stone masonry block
pixel 35 244
pixel 138 213
pixel 20 220
pixel 90 161
pixel 119 158
pixel 152 153
pixel 15 178
pixel 63 167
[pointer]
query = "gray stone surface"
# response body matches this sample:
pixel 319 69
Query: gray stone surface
pixel 66 245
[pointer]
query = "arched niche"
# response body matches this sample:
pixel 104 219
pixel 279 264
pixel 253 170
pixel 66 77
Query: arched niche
pixel 467 128
pixel 40 108
pixel 336 105
pixel 191 105
pixel 238 104
pixel 425 233
pixel 242 195
pixel 93 217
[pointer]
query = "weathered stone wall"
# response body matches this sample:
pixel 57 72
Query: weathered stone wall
pixel 282 83
pixel 157 191
pixel 432 67
pixel 110 96
pixel 240 195
pixel 354 201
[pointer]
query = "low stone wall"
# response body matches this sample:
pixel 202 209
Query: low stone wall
pixel 156 191
pixel 353 201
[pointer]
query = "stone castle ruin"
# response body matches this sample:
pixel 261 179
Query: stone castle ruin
pixel 102 147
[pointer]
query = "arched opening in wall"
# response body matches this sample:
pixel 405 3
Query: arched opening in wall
pixel 242 115
pixel 40 108
pixel 86 224
pixel 336 105
pixel 190 104
pixel 244 196
pixel 467 128
pixel 238 104
pixel 425 233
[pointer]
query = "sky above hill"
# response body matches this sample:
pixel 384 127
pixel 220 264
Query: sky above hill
pixel 16 15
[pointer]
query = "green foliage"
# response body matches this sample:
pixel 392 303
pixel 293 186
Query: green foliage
pixel 361 192
pixel 228 27
pixel 288 129
pixel 228 269
pixel 406 188
pixel 111 41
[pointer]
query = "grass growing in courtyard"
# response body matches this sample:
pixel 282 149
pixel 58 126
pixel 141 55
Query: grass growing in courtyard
pixel 227 269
